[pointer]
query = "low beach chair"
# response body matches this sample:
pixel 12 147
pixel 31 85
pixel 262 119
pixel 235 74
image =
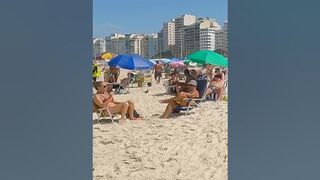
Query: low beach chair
pixel 102 113
pixel 169 88
pixel 195 102
pixel 123 85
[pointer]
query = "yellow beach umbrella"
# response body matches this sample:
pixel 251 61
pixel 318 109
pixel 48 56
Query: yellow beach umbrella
pixel 107 56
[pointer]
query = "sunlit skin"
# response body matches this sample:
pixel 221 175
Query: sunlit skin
pixel 178 101
pixel 157 71
pixel 105 100
pixel 216 85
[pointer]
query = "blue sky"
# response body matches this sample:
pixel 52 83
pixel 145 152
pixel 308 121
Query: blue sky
pixel 147 16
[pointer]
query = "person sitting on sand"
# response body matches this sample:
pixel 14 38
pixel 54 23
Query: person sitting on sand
pixel 178 100
pixel 216 85
pixel 105 100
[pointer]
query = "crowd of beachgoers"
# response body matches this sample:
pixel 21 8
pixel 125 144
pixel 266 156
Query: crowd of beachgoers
pixel 182 82
pixel 152 136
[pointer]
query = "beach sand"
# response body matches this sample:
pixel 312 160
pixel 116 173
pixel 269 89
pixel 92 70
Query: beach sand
pixel 191 147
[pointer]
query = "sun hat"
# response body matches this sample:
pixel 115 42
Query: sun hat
pixel 193 83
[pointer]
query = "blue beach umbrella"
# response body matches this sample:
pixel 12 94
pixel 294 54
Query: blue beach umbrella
pixel 153 61
pixel 166 61
pixel 130 62
pixel 175 59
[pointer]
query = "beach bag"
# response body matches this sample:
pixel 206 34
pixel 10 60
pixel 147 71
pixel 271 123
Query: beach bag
pixel 135 114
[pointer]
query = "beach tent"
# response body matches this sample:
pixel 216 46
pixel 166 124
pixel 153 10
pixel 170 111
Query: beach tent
pixel 208 57
pixel 131 62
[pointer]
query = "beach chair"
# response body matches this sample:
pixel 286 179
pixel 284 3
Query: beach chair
pixel 122 86
pixel 169 88
pixel 195 102
pixel 203 76
pixel 102 113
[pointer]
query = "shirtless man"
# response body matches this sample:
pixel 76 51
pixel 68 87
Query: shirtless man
pixel 105 100
pixel 115 72
pixel 179 99
pixel 157 71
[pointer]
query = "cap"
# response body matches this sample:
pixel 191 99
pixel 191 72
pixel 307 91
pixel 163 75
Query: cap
pixel 193 83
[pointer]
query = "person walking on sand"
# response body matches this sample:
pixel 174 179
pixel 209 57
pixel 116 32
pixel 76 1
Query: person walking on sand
pixel 157 71
pixel 105 100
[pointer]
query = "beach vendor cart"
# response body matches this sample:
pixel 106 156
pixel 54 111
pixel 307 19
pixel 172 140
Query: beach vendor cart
pixel 143 78
pixel 148 78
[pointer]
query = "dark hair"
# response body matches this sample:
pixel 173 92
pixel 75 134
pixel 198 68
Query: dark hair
pixel 186 72
pixel 95 69
pixel 218 76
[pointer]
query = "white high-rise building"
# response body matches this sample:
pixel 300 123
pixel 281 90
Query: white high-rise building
pixel 115 43
pixel 207 39
pixel 149 45
pixel 136 43
pixel 180 24
pixel 200 36
pixel 99 46
pixel 160 41
pixel 207 33
pixel 222 38
pixel 225 37
pixel 152 45
pixel 168 35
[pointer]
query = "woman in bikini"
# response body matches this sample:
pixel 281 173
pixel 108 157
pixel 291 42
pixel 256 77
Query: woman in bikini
pixel 105 100
pixel 216 85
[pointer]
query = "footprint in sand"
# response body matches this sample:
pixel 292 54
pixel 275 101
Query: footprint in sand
pixel 106 142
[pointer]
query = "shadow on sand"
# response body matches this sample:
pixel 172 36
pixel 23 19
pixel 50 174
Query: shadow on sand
pixel 104 121
pixel 160 94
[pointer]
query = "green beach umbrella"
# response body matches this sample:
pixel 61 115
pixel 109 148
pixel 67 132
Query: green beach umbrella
pixel 186 62
pixel 208 57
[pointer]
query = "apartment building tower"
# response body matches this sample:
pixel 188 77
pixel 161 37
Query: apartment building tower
pixel 180 24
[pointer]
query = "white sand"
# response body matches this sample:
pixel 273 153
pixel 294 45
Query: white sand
pixel 185 147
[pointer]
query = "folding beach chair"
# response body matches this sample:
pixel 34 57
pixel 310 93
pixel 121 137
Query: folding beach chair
pixel 123 85
pixel 169 88
pixel 203 76
pixel 102 113
pixel 195 102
